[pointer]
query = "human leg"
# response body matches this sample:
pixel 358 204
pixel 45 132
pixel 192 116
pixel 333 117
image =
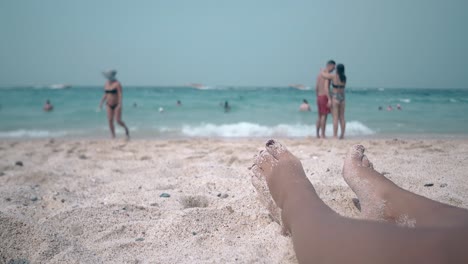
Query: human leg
pixel 323 124
pixel 335 114
pixel 118 114
pixel 381 199
pixel 323 110
pixel 110 119
pixel 342 118
pixel 321 236
pixel 317 126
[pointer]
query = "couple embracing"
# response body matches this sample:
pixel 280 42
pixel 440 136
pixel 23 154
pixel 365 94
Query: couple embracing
pixel 334 101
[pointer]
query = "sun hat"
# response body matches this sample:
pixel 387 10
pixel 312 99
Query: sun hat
pixel 109 74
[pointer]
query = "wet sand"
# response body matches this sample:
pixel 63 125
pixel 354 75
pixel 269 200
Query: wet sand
pixel 99 201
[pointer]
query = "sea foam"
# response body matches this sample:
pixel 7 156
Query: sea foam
pixel 23 133
pixel 405 100
pixel 245 129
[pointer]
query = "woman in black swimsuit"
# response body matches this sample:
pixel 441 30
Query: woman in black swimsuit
pixel 113 97
pixel 338 98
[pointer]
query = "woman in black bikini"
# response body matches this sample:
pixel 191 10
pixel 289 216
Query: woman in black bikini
pixel 338 98
pixel 113 97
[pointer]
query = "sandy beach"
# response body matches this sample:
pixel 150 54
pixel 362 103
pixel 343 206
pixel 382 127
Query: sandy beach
pixel 185 201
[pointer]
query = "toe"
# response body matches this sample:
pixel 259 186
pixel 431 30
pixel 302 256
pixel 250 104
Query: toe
pixel 257 176
pixel 353 160
pixel 257 172
pixel 275 148
pixel 356 154
pixel 265 161
pixel 365 162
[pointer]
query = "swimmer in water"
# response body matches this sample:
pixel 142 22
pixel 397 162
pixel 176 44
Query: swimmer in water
pixel 389 108
pixel 179 103
pixel 48 106
pixel 227 107
pixel 398 106
pixel 304 107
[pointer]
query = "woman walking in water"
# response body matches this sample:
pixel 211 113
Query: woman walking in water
pixel 113 98
pixel 338 98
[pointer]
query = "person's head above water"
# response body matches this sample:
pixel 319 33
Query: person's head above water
pixel 340 70
pixel 305 101
pixel 110 74
pixel 331 65
pixel 48 106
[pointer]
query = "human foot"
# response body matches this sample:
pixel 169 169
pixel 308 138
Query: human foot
pixel 260 184
pixel 381 199
pixel 369 185
pixel 275 172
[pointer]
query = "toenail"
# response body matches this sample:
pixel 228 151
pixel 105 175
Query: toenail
pixel 359 148
pixel 270 142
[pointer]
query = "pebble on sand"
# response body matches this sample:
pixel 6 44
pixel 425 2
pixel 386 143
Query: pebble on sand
pixel 19 163
pixel 145 158
pixel 428 185
pixel 165 195
pixel 229 208
pixel 225 195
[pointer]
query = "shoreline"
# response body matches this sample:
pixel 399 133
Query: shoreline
pixel 121 136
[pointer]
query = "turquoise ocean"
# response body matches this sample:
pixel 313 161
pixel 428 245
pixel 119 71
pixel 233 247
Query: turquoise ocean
pixel 255 112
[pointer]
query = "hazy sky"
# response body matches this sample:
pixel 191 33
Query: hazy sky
pixel 399 43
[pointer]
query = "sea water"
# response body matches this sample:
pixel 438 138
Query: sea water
pixel 255 112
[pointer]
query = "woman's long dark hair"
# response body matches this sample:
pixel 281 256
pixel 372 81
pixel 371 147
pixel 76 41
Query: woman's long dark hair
pixel 340 72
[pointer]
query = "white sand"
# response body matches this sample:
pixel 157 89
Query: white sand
pixel 99 201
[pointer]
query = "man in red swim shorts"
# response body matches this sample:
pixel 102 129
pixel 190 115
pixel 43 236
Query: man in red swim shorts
pixel 322 89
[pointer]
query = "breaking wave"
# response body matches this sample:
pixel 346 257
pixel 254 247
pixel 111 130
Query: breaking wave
pixel 244 129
